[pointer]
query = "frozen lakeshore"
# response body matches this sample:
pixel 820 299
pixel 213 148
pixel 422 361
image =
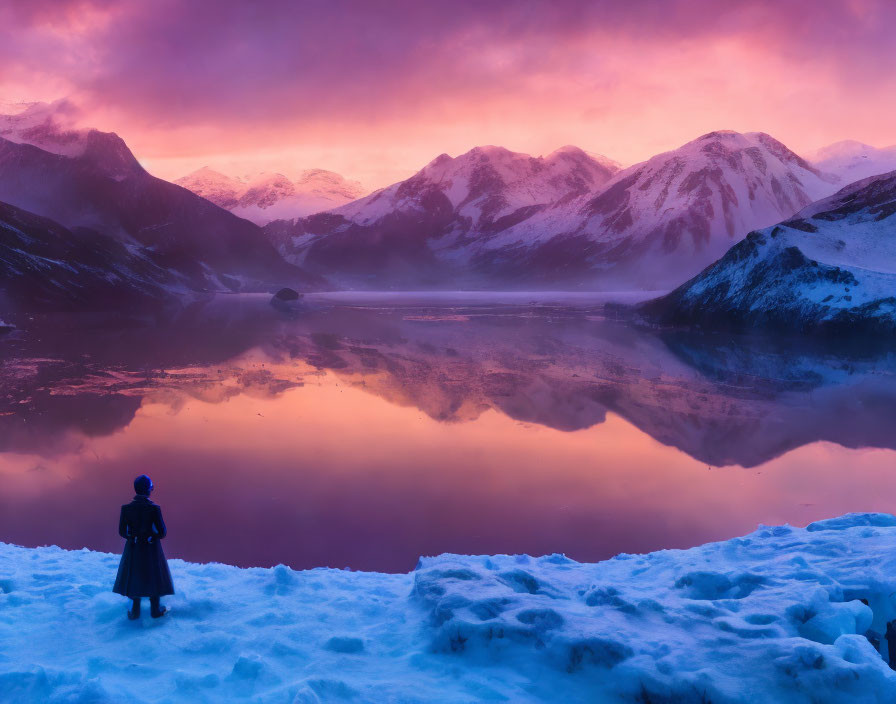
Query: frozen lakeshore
pixel 775 616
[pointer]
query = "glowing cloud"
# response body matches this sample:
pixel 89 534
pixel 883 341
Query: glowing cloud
pixel 374 89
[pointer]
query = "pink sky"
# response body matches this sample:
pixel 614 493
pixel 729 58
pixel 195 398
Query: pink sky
pixel 375 89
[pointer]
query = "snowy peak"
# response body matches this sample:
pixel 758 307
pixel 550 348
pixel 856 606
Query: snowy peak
pixel 568 149
pixel 266 196
pixel 52 127
pixel 576 154
pixel 507 164
pixel 265 190
pixel 328 186
pixel 105 190
pixel 500 218
pixel 657 223
pixel 324 181
pixel 853 161
pixel 695 201
pixel 786 155
pixel 222 190
pixel 428 229
pixel 726 147
pixel 49 126
pixel 487 183
pixel 523 170
pixel 844 149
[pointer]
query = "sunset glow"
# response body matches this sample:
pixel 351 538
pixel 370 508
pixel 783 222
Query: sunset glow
pixel 375 90
pixel 536 351
pixel 411 481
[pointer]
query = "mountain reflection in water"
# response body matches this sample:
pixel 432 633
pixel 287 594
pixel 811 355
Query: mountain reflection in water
pixel 368 435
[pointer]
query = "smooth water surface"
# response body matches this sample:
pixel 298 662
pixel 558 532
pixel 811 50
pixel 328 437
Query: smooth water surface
pixel 365 434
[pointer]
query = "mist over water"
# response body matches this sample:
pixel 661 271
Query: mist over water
pixel 365 432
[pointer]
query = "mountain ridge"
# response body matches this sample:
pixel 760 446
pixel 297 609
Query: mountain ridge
pixel 49 267
pixel 90 180
pixel 829 269
pixel 268 196
pixel 495 218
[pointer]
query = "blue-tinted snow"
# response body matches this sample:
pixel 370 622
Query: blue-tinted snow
pixel 774 616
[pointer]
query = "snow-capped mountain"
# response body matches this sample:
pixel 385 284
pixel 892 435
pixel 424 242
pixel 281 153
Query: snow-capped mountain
pixel 495 218
pixel 425 228
pixel 831 268
pixel 92 181
pixel 487 184
pixel 659 222
pixel 853 161
pixel 50 126
pixel 224 191
pixel 272 196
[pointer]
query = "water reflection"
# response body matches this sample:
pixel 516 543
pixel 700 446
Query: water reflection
pixel 365 436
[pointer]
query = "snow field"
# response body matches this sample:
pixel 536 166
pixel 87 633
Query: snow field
pixel 775 616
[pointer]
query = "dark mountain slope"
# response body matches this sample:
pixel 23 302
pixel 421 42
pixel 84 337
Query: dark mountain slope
pixel 831 269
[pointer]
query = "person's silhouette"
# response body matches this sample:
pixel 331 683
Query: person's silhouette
pixel 143 570
pixel 891 644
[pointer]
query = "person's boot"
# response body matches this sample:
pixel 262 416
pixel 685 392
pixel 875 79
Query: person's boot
pixel 156 609
pixel 134 613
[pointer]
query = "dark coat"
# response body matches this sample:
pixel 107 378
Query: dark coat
pixel 891 644
pixel 143 570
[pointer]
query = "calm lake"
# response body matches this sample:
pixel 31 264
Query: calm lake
pixel 366 431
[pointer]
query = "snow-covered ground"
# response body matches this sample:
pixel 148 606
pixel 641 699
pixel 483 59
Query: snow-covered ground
pixel 775 616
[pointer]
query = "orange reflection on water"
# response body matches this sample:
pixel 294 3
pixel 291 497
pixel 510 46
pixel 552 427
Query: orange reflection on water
pixel 330 474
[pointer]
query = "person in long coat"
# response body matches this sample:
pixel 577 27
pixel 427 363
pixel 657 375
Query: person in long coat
pixel 143 570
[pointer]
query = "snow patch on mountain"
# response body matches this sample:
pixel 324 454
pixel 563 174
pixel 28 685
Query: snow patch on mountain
pixel 783 614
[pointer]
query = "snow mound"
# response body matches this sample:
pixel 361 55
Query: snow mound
pixel 780 615
pixel 851 520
